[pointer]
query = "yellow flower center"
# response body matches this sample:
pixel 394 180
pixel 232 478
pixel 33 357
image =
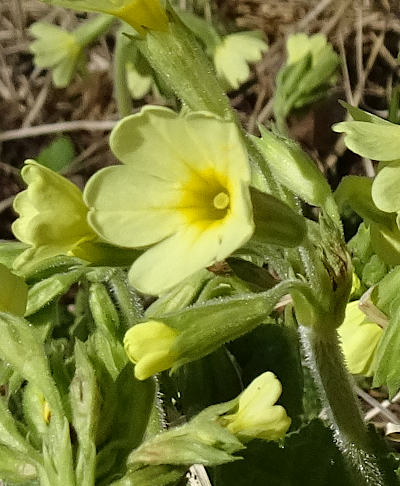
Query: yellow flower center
pixel 206 198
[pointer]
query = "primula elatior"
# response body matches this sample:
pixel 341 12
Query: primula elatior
pixel 62 51
pixel 140 14
pixel 52 214
pixel 149 345
pixel 184 188
pixel 257 415
pixel 360 338
pixel 234 52
pixel 58 50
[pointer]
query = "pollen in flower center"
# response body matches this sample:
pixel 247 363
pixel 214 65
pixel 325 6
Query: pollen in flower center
pixel 221 200
pixel 206 198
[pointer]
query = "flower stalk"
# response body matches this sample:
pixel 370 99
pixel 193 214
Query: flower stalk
pixel 326 363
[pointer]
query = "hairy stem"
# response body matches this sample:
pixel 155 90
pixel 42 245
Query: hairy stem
pixel 326 363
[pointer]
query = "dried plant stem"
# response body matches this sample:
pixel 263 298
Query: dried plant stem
pixel 72 126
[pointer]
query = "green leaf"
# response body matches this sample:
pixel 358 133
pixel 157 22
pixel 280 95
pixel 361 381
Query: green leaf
pixel 199 385
pixel 58 155
pixel 45 291
pixel 308 457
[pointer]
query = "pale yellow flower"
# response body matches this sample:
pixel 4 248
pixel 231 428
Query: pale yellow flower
pixel 257 415
pixel 183 188
pixel 360 338
pixel 140 14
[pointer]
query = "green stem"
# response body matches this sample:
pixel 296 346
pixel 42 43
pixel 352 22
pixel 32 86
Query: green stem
pixel 326 363
pixel 122 94
pixel 92 29
pixel 181 63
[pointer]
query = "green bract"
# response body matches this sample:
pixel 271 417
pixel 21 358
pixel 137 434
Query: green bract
pixel 360 338
pixel 183 188
pixel 52 214
pixel 14 292
pixel 257 416
pixel 140 14
pixel 234 52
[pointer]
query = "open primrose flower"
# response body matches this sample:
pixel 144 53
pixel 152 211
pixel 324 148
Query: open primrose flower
pixel 58 50
pixel 183 190
pixel 63 52
pixel 139 14
pixel 52 214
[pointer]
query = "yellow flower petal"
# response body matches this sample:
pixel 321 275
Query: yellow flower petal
pixel 140 14
pixel 257 416
pixel 360 339
pixel 184 186
pixel 184 253
pixel 148 345
pixel 52 214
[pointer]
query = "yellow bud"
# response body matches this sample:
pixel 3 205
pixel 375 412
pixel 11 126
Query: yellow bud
pixel 257 415
pixel 46 412
pixel 360 338
pixel 149 345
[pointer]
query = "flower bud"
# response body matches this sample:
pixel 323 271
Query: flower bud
pixel 257 416
pixel 149 345
pixel 360 337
